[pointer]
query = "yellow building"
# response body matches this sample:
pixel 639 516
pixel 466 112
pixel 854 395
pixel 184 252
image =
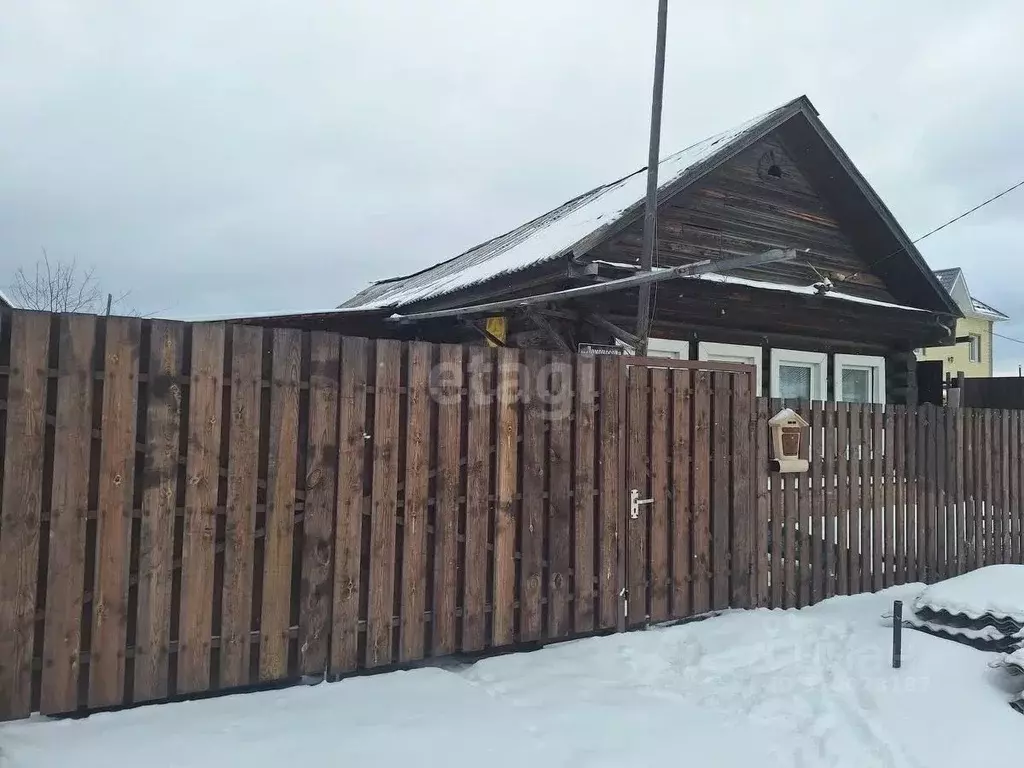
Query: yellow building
pixel 973 355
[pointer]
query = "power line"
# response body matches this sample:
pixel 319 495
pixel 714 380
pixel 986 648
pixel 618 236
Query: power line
pixel 939 228
pixel 1008 338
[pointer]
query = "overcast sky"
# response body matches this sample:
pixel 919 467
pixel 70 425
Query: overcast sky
pixel 241 156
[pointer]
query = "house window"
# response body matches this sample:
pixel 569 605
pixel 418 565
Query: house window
pixel 798 375
pixel 731 353
pixel 670 348
pixel 860 379
pixel 975 348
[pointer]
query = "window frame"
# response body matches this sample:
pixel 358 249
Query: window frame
pixel 971 348
pixel 874 363
pixel 706 351
pixel 812 360
pixel 682 348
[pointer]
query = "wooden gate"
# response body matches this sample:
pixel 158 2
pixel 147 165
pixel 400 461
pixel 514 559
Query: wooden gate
pixel 689 492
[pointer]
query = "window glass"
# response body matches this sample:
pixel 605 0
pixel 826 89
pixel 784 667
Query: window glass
pixel 857 385
pixel 795 381
pixel 975 348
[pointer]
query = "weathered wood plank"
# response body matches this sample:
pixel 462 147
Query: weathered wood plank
pixel 955 480
pixel 817 512
pixel 844 507
pixel 867 498
pixel 660 421
pixel 1004 487
pixel 610 499
pixel 348 529
pixel 534 470
pixel 478 466
pixel 414 512
pixel 941 492
pixel 321 496
pixel 446 512
pixel 560 513
pixel 888 517
pixel 638 482
pixel 506 466
pixel 878 516
pixel 65 571
pixel 742 491
pixel 932 492
pixel 682 512
pixel 116 483
pixel 777 480
pixel 720 489
pixel 383 503
pixel 984 482
pixel 803 529
pixel 923 475
pixel 281 481
pixel 21 508
pixel 159 498
pixel 583 497
pixel 702 492
pixel 832 509
pixel 1016 491
pixel 970 489
pixel 240 518
pixel 858 456
pixel 900 494
pixel 912 500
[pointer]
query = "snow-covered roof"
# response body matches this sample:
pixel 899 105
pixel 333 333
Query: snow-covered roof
pixel 806 290
pixel 949 277
pixel 981 308
pixel 573 225
pixel 5 300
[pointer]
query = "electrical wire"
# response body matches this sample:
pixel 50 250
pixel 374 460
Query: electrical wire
pixel 1008 338
pixel 939 228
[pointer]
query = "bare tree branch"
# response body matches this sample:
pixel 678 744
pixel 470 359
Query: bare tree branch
pixel 59 286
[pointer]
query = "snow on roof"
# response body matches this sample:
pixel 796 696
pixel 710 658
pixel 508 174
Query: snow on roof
pixel 996 591
pixel 5 299
pixel 805 290
pixel 982 308
pixel 556 232
pixel 947 277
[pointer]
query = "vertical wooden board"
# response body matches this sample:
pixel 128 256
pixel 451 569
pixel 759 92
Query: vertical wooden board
pixel 414 513
pixel 932 434
pixel 878 516
pixel 804 529
pixel 506 464
pixel 320 486
pixel 660 422
pixel 21 508
pixel 478 465
pixel 832 509
pixel 912 507
pixel 777 480
pixel 534 465
pixel 638 421
pixel 1004 486
pixel 69 502
pixel 559 497
pixel 995 496
pixel 867 498
pixel 281 481
pixel 383 503
pixel 583 498
pixel 942 511
pixel 844 460
pixel 720 489
pixel 202 476
pixel 114 511
pixel 817 511
pixel 742 509
pixel 240 512
pixel 446 511
pixel 348 528
pixel 682 512
pixel 899 472
pixel 159 499
pixel 1015 487
pixel 857 450
pixel 702 492
pixel 924 473
pixel 954 491
pixel 970 491
pixel 610 499
pixel 889 500
pixel 983 468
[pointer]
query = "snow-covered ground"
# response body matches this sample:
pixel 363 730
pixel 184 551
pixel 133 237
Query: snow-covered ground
pixel 763 688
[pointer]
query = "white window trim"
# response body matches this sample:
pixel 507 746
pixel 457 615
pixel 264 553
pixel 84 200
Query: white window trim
pixel 710 351
pixel 680 348
pixel 799 357
pixel 862 361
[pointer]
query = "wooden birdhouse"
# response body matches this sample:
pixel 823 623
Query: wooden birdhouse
pixel 789 431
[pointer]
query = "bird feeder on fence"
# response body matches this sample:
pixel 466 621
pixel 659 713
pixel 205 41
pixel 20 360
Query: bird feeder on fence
pixel 789 431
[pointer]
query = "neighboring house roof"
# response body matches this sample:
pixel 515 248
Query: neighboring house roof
pixel 5 301
pixel 579 225
pixel 955 283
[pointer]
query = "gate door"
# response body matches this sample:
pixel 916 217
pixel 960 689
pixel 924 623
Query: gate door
pixel 689 488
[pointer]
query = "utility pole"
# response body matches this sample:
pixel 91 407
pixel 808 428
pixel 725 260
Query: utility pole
pixel 643 309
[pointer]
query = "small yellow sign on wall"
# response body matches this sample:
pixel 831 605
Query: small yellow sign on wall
pixel 496 327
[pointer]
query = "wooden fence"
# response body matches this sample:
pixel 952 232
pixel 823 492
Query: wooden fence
pixel 893 495
pixel 192 508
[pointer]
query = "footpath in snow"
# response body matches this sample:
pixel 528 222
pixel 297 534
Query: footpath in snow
pixel 766 688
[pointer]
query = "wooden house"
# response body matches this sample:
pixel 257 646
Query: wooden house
pixel 838 320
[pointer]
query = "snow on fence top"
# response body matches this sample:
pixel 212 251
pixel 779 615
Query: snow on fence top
pixel 996 591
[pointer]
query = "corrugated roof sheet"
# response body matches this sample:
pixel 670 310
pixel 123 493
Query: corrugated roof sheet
pixel 947 277
pixel 557 232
